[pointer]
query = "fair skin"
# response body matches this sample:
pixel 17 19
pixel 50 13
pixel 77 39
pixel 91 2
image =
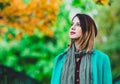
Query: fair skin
pixel 75 31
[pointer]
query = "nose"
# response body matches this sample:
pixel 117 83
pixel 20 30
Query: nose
pixel 73 27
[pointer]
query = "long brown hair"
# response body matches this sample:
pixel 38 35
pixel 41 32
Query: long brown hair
pixel 89 32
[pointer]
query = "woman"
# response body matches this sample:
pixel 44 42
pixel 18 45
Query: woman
pixel 81 63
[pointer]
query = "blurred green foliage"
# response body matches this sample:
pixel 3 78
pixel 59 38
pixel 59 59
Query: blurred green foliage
pixel 34 55
pixel 108 19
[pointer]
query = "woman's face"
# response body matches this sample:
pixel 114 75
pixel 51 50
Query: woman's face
pixel 75 31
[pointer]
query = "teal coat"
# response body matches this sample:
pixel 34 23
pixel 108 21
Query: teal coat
pixel 101 68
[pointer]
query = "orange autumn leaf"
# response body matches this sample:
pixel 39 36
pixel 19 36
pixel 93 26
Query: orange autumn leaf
pixel 10 36
pixel 3 30
pixel 101 1
pixel 50 33
pixel 104 1
pixel 30 32
pixel 25 17
pixel 18 36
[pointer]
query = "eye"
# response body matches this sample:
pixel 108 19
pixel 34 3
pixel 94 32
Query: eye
pixel 78 24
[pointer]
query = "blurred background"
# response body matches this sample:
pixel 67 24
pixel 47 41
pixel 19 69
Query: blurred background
pixel 33 32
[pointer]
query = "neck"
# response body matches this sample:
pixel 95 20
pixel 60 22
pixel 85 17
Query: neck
pixel 77 45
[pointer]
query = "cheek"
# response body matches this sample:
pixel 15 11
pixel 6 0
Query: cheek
pixel 79 31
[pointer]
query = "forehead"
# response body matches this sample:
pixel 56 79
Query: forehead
pixel 76 19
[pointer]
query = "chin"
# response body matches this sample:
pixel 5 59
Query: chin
pixel 73 38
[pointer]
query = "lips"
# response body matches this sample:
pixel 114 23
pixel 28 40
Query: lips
pixel 72 33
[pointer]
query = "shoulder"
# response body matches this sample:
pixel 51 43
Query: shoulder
pixel 100 55
pixel 100 59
